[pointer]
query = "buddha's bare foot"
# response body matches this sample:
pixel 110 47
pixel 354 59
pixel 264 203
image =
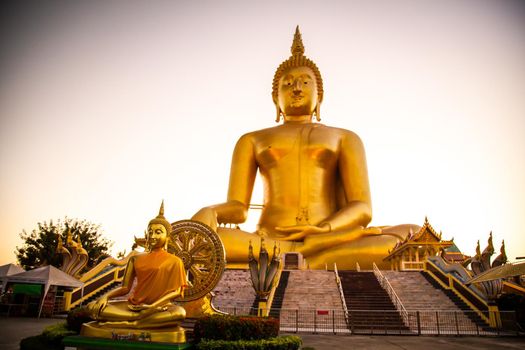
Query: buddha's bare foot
pixel 119 324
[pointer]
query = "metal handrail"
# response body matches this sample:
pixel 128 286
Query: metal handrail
pixel 341 294
pixel 383 281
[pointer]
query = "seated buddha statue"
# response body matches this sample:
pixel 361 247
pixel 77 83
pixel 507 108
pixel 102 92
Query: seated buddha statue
pixel 316 192
pixel 160 278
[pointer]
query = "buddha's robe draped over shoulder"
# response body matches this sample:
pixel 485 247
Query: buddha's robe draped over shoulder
pixel 158 273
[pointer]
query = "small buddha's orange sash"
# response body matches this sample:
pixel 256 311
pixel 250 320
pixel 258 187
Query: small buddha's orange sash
pixel 158 273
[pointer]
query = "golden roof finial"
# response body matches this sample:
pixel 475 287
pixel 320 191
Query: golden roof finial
pixel 297 45
pixel 478 250
pixel 491 246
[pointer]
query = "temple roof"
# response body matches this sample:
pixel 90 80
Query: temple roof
pixel 426 236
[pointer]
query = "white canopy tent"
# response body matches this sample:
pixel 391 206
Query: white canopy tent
pixel 8 270
pixel 48 276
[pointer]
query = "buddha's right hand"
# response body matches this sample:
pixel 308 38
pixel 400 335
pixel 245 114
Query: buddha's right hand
pixel 207 216
pixel 97 306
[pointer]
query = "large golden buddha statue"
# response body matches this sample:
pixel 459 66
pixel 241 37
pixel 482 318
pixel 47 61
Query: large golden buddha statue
pixel 316 192
pixel 160 277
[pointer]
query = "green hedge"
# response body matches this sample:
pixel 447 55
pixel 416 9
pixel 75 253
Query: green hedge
pixel 50 339
pixel 227 327
pixel 290 342
pixel 76 317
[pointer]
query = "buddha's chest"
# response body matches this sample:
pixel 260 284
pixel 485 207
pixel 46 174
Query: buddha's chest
pixel 297 147
pixel 149 265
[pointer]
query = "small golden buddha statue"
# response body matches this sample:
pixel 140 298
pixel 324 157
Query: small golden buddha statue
pixel 160 278
pixel 316 193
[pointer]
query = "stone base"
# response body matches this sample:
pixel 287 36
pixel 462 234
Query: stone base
pixel 87 343
pixel 173 334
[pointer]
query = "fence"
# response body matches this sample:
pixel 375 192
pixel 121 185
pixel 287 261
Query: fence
pixel 384 322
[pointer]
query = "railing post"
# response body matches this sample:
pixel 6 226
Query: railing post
pixel 315 321
pixel 333 321
pixel 296 320
pixel 437 321
pixel 457 325
pixel 418 323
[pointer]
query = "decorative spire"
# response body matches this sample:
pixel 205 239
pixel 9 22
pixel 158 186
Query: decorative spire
pixel 161 210
pixel 478 250
pixel 297 45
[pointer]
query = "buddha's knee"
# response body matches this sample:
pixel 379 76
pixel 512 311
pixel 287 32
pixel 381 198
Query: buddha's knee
pixel 176 312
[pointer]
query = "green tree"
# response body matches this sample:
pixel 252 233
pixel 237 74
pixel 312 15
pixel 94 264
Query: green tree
pixel 40 245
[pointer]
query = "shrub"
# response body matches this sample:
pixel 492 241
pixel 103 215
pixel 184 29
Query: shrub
pixel 289 342
pixel 50 339
pixel 76 317
pixel 227 327
pixel 56 332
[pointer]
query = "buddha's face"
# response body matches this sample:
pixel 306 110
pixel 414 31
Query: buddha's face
pixel 157 236
pixel 297 94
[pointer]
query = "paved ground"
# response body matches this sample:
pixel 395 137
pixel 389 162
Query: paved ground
pixel 13 329
pixel 362 342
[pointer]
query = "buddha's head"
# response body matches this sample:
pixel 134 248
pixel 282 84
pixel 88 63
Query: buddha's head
pixel 297 88
pixel 158 230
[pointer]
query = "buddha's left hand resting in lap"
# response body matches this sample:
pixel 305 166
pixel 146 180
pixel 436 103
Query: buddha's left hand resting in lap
pixel 160 279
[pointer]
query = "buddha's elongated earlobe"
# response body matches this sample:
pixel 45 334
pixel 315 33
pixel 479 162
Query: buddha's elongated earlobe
pixel 318 112
pixel 278 116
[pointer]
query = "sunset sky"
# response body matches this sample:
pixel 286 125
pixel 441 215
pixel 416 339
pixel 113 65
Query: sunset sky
pixel 108 107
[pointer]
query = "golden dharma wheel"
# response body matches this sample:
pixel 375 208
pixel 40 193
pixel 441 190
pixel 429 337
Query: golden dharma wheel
pixel 202 253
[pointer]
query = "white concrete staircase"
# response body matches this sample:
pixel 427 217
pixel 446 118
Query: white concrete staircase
pixel 234 291
pixel 435 308
pixel 312 289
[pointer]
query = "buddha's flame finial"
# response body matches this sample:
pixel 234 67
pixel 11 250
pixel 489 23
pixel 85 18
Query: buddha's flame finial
pixel 297 45
pixel 161 210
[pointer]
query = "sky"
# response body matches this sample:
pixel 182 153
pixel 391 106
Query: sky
pixel 108 107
